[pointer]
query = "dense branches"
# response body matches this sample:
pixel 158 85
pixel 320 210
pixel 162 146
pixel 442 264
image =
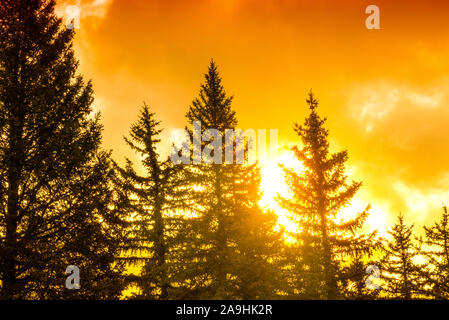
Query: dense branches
pixel 319 193
pixel 150 201
pixel 227 223
pixel 55 181
pixel 400 271
pixel 436 275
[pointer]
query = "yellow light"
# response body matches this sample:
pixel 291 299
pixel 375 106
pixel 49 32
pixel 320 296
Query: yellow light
pixel 273 184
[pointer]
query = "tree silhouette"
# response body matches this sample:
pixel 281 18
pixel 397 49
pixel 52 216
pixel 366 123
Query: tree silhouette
pixel 400 273
pixel 150 199
pixel 319 192
pixel 226 257
pixel 55 188
pixel 436 275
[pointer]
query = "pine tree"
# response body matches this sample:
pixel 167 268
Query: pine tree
pixel 151 202
pixel 229 259
pixel 55 189
pixel 436 275
pixel 399 272
pixel 319 192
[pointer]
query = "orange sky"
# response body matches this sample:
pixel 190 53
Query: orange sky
pixel 385 92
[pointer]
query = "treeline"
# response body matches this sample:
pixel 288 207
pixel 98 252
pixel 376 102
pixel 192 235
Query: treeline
pixel 174 231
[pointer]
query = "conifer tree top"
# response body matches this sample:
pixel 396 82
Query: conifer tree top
pixel 213 106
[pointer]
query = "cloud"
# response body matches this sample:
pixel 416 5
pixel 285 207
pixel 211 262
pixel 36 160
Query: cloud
pixel 399 145
pixel 422 205
pixel 371 103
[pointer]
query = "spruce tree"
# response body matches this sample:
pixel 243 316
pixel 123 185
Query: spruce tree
pixel 399 272
pixel 233 244
pixel 150 201
pixel 436 274
pixel 319 193
pixel 57 201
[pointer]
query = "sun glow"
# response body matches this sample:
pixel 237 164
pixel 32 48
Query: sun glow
pixel 377 218
pixel 273 184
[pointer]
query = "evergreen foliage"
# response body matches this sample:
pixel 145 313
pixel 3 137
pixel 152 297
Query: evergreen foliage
pixel 55 188
pixel 225 245
pixel 319 193
pixel 400 272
